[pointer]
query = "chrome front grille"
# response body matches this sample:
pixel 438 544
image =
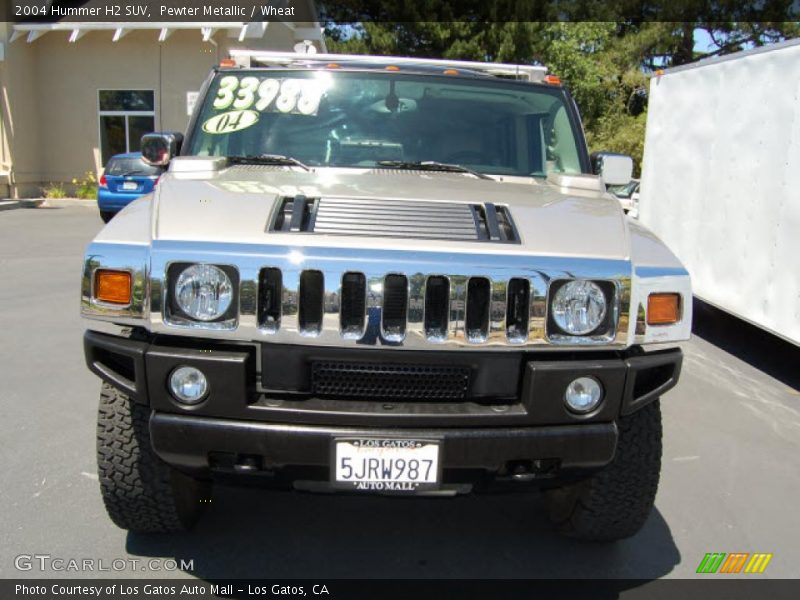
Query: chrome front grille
pixel 353 297
pixel 444 307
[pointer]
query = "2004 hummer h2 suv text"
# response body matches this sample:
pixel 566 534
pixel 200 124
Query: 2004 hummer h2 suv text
pixel 382 275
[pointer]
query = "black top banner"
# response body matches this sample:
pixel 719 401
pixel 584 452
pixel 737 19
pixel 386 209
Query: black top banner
pixel 402 11
pixel 157 11
pixel 635 11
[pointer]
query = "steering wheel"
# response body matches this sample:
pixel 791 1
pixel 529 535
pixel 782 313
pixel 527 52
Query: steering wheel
pixel 467 157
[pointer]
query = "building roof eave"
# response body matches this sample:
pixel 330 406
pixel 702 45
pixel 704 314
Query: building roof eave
pixel 241 29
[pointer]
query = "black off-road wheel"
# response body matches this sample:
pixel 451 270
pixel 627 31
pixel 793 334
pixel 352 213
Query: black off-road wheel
pixel 140 491
pixel 614 503
pixel 107 215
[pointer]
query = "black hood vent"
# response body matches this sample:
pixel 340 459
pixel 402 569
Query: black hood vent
pixel 414 219
pixel 294 214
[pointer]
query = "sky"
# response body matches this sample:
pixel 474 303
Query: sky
pixel 702 41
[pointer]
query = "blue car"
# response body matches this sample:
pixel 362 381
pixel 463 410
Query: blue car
pixel 126 177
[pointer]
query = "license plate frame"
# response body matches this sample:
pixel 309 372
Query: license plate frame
pixel 130 186
pixel 377 447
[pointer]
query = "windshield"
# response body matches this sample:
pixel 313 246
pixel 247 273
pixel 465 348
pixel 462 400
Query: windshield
pixel 361 119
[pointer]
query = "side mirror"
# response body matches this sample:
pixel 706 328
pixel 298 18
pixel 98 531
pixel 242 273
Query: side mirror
pixel 159 148
pixel 615 169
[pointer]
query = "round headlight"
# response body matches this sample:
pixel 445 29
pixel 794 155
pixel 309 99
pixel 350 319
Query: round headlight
pixel 188 385
pixel 204 292
pixel 579 307
pixel 583 395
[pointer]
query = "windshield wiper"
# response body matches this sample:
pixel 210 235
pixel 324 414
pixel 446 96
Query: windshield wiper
pixel 431 165
pixel 268 159
pixel 128 173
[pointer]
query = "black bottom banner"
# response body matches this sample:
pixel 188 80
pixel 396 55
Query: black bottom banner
pixel 441 589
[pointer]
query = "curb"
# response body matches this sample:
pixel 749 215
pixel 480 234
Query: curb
pixel 46 203
pixel 31 202
pixel 9 204
pixel 65 202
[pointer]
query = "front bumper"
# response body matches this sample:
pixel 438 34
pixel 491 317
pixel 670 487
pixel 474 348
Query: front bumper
pixel 115 201
pixel 244 427
pixel 202 445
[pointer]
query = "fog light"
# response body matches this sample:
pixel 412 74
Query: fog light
pixel 583 395
pixel 188 385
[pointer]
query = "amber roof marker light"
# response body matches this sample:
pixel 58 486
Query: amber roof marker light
pixel 112 287
pixel 663 308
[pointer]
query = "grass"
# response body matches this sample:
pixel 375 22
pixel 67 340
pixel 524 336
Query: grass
pixel 54 190
pixel 85 188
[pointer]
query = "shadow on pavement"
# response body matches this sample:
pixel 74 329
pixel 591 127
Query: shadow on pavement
pixel 252 533
pixel 765 351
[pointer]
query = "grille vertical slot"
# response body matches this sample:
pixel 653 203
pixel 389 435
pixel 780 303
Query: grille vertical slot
pixel 270 288
pixel 437 307
pixel 354 304
pixel 312 288
pixel 477 320
pixel 395 307
pixel 518 310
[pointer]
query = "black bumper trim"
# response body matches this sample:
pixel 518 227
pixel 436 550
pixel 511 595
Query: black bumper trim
pixel 141 369
pixel 119 362
pixel 650 376
pixel 186 441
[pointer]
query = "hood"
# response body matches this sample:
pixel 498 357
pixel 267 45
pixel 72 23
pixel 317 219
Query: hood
pixel 235 204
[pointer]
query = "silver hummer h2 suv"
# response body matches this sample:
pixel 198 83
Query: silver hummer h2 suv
pixel 382 275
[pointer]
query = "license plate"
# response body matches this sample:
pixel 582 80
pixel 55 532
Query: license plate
pixel 386 464
pixel 130 185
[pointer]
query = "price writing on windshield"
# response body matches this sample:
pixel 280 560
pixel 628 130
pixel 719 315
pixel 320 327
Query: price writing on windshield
pixel 296 96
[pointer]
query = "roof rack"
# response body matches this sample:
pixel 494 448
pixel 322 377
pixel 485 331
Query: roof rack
pixel 247 58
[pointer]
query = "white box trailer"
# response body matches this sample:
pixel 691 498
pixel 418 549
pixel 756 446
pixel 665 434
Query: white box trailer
pixel 721 180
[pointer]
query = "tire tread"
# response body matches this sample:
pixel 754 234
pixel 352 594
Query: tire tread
pixel 615 503
pixel 138 488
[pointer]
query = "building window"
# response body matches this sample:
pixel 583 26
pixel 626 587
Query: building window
pixel 125 116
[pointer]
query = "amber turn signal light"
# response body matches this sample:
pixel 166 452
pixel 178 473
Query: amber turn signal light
pixel 663 309
pixel 113 287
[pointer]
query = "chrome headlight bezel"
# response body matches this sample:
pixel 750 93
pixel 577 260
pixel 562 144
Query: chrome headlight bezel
pixel 603 331
pixel 175 314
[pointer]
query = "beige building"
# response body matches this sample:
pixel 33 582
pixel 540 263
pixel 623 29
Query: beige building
pixel 73 94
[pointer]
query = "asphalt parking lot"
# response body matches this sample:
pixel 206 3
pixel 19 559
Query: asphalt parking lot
pixel 729 483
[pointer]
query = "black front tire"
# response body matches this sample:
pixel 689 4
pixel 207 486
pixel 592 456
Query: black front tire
pixel 614 503
pixel 107 215
pixel 140 491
